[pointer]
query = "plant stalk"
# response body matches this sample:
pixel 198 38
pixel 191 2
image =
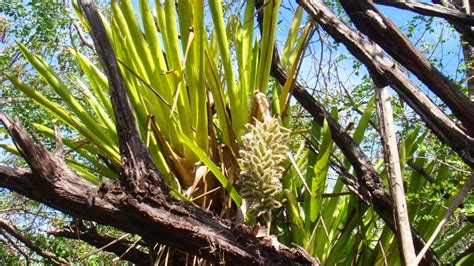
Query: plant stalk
pixel 392 162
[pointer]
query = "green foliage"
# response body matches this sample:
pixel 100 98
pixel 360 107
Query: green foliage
pixel 191 75
pixel 7 257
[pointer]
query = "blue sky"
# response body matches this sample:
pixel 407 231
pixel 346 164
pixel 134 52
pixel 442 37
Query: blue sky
pixel 399 17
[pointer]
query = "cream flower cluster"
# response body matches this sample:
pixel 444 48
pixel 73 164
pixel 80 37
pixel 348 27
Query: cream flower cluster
pixel 264 150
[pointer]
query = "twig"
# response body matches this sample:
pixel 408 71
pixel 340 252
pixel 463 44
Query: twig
pixel 16 234
pixel 441 162
pixel 16 246
pixel 82 37
pixel 104 247
pixel 131 246
pixel 457 200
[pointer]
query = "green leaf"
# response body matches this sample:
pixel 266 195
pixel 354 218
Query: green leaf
pixel 320 172
pixel 297 227
pixel 214 169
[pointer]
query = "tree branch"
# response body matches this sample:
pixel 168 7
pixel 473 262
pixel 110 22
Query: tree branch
pixel 9 242
pixel 466 31
pixel 120 248
pixel 427 9
pixel 13 231
pixel 81 36
pixel 139 174
pixel 391 39
pixel 395 179
pixel 386 71
pixel 176 224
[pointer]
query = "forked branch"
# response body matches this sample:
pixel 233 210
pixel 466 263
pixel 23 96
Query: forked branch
pixel 380 29
pixel 386 71
pixel 176 224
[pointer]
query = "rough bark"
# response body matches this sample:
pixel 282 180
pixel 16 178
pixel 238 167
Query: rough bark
pixel 177 224
pixel 380 29
pixel 367 184
pixel 386 71
pixel 139 174
pixel 468 53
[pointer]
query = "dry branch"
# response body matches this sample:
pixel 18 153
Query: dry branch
pixel 466 31
pixel 119 248
pixel 139 174
pixel 7 242
pixel 380 29
pixel 368 186
pixel 13 231
pixel 386 71
pixel 392 164
pixel 428 9
pixel 177 224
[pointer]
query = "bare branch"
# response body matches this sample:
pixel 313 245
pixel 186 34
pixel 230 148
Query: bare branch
pixel 392 164
pixel 10 242
pixel 391 39
pixel 427 9
pixel 28 243
pixel 466 31
pixel 83 38
pixel 386 71
pixel 121 248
